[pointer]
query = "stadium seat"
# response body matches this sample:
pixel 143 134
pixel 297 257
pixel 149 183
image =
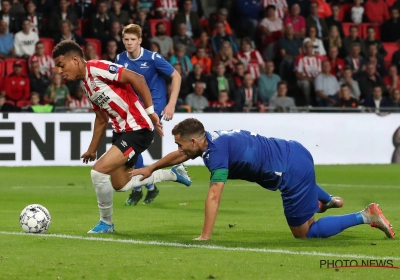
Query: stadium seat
pixel 97 45
pixel 346 28
pixel 79 30
pixel 1 69
pixel 48 45
pixel 205 25
pixel 85 27
pixel 9 62
pixel 153 23
pixel 364 33
pixel 390 48
pixel 344 11
pixel 23 103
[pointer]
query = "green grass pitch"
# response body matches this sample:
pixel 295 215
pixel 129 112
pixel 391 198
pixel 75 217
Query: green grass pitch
pixel 256 213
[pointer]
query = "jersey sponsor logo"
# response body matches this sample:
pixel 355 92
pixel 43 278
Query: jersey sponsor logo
pixel 113 69
pixel 144 65
pixel 94 86
pixel 126 65
pixel 101 99
pixel 124 144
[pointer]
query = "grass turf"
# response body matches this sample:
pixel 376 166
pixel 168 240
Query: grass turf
pixel 256 213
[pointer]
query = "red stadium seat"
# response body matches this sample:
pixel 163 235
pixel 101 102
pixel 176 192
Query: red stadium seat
pixel 9 63
pixel 79 30
pixel 97 45
pixel 344 11
pixel 364 33
pixel 48 45
pixel 1 69
pixel 153 23
pixel 346 28
pixel 23 103
pixel 390 48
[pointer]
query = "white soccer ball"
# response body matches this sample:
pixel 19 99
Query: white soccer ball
pixel 35 218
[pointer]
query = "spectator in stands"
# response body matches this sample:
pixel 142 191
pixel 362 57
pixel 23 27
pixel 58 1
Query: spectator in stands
pixel 238 77
pixel 247 97
pixel 396 57
pixel 16 86
pixel 46 62
pixel 390 28
pixel 90 52
pixel 346 100
pixel 7 106
pixel 281 7
pixel 304 6
pixel 248 15
pixel 337 64
pixel 316 21
pixel 271 32
pixel 17 8
pixel 392 80
pixel 181 58
pixel 352 84
pixel 111 51
pixel 146 29
pixel 353 38
pixel 184 90
pixel 280 102
pixel 154 47
pixel 183 39
pixel 226 56
pixel 197 7
pixel 318 46
pixel 395 98
pixel 12 20
pixel 25 40
pixel 79 102
pixel 334 20
pixel 219 82
pixel 6 41
pixel 374 58
pixel 290 48
pixel 197 76
pixel 355 60
pixel 222 36
pixel 369 81
pixel 190 19
pixel 376 101
pixel 203 59
pixel 36 19
pixel 376 11
pixel 326 87
pixel 163 40
pixel 205 42
pixel 166 9
pixel 116 35
pixel 84 9
pixel 101 22
pixel 371 40
pixel 297 21
pixel 324 9
pixel 196 100
pixel 68 34
pixel 63 12
pixel 250 57
pixel 308 66
pixel 45 7
pixel 334 40
pixel 132 7
pixel 36 107
pixel 223 105
pixel 119 15
pixel 57 94
pixel 221 16
pixel 357 12
pixel 38 82
pixel 268 82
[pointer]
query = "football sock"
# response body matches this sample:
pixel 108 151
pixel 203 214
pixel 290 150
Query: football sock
pixel 150 187
pixel 138 189
pixel 156 177
pixel 104 193
pixel 332 225
pixel 323 196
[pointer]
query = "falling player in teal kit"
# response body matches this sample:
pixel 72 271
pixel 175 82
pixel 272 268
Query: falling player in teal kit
pixel 274 164
pixel 153 67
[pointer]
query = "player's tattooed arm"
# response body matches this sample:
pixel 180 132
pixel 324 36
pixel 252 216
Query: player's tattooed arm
pixel 211 209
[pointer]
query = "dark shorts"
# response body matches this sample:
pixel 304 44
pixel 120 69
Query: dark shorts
pixel 132 143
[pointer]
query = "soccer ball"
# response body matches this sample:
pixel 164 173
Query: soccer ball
pixel 35 218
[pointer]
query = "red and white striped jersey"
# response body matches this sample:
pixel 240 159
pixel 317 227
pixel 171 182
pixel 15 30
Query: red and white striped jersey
pixel 46 63
pixel 105 91
pixel 170 7
pixel 34 23
pixel 280 6
pixel 252 61
pixel 310 66
pixel 83 105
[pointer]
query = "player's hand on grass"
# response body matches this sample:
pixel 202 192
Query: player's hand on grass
pixel 156 122
pixel 88 156
pixel 145 172
pixel 168 112
pixel 201 238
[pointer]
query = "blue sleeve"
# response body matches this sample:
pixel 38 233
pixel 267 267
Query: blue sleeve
pixel 218 157
pixel 118 60
pixel 162 65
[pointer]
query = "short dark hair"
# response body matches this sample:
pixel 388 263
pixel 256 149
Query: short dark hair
pixel 190 127
pixel 270 7
pixel 281 83
pixel 344 85
pixel 66 47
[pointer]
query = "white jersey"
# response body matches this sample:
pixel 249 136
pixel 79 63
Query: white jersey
pixel 104 90
pixel 25 43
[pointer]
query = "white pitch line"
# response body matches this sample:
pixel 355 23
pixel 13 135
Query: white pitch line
pixel 210 247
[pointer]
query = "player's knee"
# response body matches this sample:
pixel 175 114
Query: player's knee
pixel 98 177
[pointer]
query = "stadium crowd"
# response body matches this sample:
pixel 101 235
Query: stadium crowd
pixel 259 55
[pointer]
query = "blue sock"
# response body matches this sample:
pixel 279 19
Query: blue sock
pixel 323 196
pixel 332 225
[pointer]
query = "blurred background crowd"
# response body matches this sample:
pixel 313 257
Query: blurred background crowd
pixel 233 55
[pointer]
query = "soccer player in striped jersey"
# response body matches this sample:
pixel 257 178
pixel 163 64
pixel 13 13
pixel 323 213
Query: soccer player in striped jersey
pixel 272 163
pixel 153 67
pixel 108 87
